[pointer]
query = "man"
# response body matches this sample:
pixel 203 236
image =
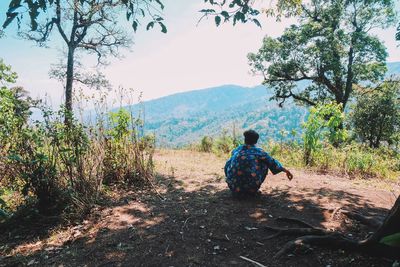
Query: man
pixel 248 166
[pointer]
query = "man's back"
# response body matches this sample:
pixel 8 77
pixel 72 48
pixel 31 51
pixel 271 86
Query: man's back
pixel 247 168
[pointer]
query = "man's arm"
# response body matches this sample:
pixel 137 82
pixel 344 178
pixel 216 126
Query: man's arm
pixel 289 175
pixel 276 167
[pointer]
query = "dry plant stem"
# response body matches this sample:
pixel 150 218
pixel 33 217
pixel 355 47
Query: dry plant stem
pixel 252 261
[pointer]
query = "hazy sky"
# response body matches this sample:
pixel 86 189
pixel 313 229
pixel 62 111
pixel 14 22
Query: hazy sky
pixel 187 57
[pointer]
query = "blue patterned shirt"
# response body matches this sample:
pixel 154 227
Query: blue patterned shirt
pixel 247 168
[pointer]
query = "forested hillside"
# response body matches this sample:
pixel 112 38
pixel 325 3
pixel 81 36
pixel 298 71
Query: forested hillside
pixel 184 118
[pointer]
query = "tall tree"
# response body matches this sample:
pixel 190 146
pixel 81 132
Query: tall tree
pixel 376 115
pixel 93 26
pixel 331 49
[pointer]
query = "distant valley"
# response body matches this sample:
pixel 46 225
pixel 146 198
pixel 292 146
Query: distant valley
pixel 184 118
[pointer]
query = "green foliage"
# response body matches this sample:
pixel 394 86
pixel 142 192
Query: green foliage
pixel 224 144
pixel 134 11
pixel 353 160
pixel 331 48
pixel 391 240
pixel 128 156
pixel 93 27
pixel 325 122
pixel 244 10
pixel 206 144
pixel 6 74
pixel 376 115
pixel 62 166
pixel 119 124
pixel 220 145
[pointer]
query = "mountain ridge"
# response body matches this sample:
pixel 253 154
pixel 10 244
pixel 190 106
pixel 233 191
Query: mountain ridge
pixel 186 117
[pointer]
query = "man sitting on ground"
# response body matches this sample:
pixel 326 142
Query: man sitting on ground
pixel 248 166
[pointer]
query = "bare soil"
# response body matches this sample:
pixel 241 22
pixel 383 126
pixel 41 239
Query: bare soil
pixel 190 218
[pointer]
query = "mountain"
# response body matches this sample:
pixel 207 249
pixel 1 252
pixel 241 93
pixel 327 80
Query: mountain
pixel 185 118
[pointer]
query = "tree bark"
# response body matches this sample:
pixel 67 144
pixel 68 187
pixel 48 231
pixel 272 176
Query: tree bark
pixel 69 84
pixel 391 224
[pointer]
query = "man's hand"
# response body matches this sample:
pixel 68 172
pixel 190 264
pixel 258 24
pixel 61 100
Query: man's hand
pixel 289 175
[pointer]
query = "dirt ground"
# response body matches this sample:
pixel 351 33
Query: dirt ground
pixel 193 220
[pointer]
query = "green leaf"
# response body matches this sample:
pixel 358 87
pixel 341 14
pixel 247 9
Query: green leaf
pixel 14 3
pixel 161 4
pixel 2 203
pixel 257 22
pixel 207 11
pixel 391 240
pixel 163 27
pixel 134 25
pixel 217 20
pixel 150 25
pixel 225 14
pixel 10 18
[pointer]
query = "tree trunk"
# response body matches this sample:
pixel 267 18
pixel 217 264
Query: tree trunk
pixel 69 84
pixel 370 246
pixel 390 226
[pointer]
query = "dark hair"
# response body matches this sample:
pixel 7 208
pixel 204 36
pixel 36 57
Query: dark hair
pixel 250 137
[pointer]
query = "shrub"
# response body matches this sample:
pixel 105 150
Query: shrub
pixel 128 156
pixel 324 123
pixel 206 144
pixel 64 165
pixel 376 115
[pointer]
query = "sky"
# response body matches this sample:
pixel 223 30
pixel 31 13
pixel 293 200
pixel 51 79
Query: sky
pixel 190 56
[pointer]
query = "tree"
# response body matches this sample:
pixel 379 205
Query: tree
pixel 330 51
pixel 246 10
pixel 83 25
pixel 376 115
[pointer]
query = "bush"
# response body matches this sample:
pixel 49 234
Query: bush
pixel 206 144
pixel 128 157
pixel 376 115
pixel 324 124
pixel 224 144
pixel 354 160
pixel 62 166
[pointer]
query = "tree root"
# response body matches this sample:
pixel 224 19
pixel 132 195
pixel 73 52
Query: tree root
pixel 294 220
pixel 367 220
pixel 338 241
pixel 313 236
pixel 295 231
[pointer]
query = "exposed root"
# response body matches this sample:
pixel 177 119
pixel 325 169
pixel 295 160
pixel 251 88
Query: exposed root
pixel 313 236
pixel 293 220
pixel 308 229
pixel 338 241
pixel 295 231
pixel 334 240
pixel 367 220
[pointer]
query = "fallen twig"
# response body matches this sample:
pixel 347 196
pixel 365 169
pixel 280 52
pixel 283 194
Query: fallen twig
pixel 252 261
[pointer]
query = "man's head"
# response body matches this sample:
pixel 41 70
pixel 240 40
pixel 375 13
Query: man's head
pixel 250 137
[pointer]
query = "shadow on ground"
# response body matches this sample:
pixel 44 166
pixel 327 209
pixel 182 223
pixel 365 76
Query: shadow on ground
pixel 205 227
